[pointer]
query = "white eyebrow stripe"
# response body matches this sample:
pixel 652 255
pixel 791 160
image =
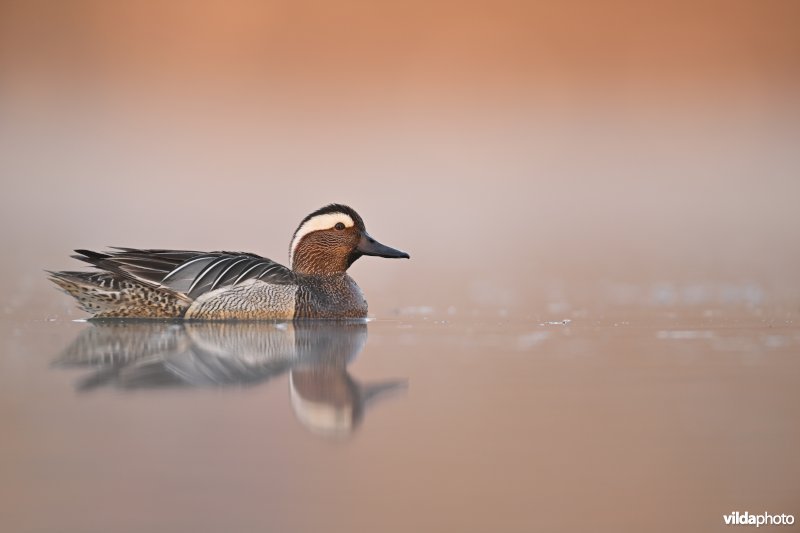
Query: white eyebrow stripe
pixel 319 222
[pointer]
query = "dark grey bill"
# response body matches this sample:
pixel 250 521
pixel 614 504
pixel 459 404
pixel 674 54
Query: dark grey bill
pixel 369 246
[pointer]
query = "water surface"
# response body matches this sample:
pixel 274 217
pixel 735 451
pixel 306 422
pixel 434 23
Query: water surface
pixel 643 419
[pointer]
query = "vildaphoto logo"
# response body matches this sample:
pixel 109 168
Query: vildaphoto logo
pixel 765 519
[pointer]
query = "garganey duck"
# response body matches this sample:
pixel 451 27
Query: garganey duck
pixel 134 283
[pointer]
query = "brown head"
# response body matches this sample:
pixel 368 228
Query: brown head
pixel 331 239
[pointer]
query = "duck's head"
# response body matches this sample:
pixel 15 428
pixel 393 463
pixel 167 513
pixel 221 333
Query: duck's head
pixel 330 239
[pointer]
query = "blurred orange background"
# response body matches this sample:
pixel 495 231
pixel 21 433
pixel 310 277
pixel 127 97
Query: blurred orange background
pixel 523 143
pixel 542 162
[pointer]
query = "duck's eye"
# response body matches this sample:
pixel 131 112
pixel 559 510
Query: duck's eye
pixel 339 225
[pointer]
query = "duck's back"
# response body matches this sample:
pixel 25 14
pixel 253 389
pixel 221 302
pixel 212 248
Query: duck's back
pixel 135 283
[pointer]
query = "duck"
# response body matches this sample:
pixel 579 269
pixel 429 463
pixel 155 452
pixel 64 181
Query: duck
pixel 181 284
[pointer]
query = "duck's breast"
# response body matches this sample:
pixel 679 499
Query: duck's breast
pixel 330 297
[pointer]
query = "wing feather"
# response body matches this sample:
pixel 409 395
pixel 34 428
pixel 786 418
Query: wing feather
pixel 230 272
pixel 205 280
pixel 189 273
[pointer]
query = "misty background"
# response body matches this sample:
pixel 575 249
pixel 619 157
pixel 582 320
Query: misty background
pixel 600 151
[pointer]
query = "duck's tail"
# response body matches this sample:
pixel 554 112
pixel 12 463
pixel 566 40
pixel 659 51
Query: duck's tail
pixel 109 295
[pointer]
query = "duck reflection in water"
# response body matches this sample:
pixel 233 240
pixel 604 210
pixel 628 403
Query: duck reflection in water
pixel 146 355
